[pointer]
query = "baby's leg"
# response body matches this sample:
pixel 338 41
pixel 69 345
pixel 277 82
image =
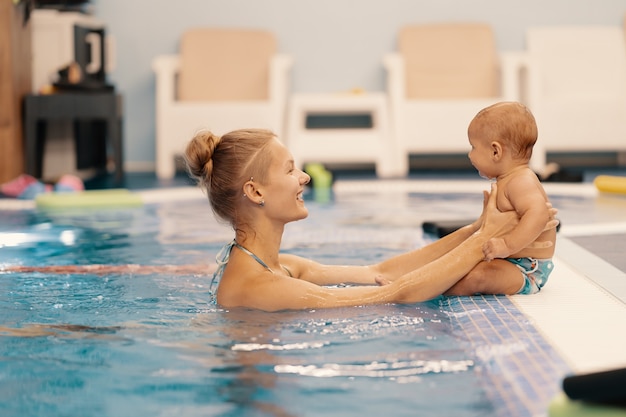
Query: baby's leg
pixel 496 277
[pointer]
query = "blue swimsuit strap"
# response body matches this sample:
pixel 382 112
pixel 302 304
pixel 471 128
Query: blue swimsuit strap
pixel 256 258
pixel 222 259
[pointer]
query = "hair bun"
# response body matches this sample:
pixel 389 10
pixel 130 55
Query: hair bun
pixel 199 155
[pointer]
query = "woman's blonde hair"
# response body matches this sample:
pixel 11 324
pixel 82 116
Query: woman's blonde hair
pixel 220 165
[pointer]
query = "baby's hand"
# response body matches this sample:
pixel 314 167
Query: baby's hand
pixel 495 248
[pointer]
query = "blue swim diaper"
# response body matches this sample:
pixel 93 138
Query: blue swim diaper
pixel 535 272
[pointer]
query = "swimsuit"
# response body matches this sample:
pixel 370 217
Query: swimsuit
pixel 222 259
pixel 534 271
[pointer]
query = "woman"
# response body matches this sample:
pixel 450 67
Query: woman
pixel 252 183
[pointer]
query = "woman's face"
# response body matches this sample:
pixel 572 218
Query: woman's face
pixel 285 185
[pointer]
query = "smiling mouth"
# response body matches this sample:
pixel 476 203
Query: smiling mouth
pixel 299 196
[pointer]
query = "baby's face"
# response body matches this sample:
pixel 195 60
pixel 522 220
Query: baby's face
pixel 480 154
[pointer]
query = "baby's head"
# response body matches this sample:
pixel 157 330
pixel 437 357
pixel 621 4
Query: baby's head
pixel 509 123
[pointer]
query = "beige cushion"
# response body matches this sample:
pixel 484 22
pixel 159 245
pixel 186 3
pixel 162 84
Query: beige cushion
pixel 456 60
pixel 225 64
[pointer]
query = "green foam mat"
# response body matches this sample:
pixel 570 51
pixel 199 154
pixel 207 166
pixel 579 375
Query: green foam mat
pixel 118 197
pixel 562 406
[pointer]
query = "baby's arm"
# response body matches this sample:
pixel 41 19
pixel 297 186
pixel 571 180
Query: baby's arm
pixel 528 200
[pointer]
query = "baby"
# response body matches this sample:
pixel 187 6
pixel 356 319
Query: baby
pixel 502 137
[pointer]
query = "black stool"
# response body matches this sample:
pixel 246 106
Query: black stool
pixel 104 108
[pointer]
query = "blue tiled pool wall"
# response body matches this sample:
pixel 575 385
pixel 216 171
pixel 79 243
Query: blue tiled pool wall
pixel 519 368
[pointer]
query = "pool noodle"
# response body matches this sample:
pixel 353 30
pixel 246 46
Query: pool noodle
pixel 117 197
pixel 610 184
pixel 599 387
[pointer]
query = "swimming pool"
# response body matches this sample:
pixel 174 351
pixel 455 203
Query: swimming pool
pixel 131 344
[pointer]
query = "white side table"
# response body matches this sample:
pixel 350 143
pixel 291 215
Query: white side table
pixel 371 143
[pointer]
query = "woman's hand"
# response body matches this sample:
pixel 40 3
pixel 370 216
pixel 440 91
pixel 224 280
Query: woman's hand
pixel 479 221
pixel 552 223
pixel 493 221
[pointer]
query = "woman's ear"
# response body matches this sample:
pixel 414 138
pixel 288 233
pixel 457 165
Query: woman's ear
pixel 252 192
pixel 496 150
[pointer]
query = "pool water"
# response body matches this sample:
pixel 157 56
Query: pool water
pixel 132 345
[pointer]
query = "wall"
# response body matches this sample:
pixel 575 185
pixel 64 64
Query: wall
pixel 14 82
pixel 336 44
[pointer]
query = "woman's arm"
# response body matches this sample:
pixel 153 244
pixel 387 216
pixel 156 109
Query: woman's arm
pixel 382 273
pixel 388 270
pixel 320 274
pixel 273 292
pixel 404 263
